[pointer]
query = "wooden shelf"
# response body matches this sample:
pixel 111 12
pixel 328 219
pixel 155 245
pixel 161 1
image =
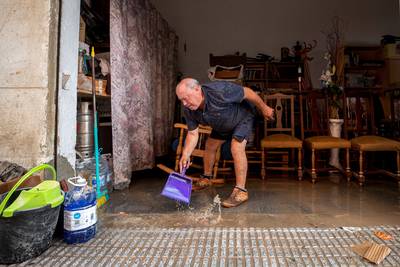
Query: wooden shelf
pixel 272 74
pixel 255 80
pixel 365 67
pixel 364 88
pixel 85 94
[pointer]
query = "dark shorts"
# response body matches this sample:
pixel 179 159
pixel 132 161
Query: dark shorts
pixel 242 131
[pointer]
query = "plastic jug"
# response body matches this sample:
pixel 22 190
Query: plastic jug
pixel 80 215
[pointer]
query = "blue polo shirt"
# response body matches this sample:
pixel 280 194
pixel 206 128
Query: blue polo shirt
pixel 224 108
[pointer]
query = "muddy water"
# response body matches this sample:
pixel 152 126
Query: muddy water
pixel 209 215
pixel 205 215
pixel 272 203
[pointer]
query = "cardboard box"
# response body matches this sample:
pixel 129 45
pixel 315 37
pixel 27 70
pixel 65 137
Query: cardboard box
pixel 392 51
pixel 371 251
pixel 393 71
pixel 85 84
pixel 82 30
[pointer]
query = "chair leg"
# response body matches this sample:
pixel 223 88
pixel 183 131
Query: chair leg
pixel 300 167
pixel 177 163
pixel 262 163
pixel 215 170
pixel 398 167
pixel 361 177
pixel 216 163
pixel 313 170
pixel 348 170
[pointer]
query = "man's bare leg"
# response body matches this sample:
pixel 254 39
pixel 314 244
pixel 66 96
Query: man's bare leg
pixel 239 193
pixel 240 162
pixel 209 155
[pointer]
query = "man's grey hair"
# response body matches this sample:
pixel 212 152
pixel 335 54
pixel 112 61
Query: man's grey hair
pixel 191 83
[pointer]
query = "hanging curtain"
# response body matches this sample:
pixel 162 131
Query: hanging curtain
pixel 143 79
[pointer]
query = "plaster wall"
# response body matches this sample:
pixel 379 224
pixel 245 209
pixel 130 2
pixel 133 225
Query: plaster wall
pixel 67 101
pixel 28 50
pixel 257 26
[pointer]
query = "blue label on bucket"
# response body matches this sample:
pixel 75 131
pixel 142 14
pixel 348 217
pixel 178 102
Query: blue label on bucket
pixel 77 215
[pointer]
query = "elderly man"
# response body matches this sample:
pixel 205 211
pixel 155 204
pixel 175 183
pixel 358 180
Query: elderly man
pixel 225 107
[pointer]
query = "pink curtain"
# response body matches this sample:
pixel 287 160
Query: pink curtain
pixel 143 78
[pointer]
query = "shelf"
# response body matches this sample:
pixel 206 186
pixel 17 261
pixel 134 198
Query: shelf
pixel 369 67
pixel 89 95
pixel 363 88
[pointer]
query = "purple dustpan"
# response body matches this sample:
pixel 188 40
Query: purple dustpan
pixel 178 187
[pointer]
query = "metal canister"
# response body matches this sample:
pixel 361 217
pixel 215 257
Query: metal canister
pixel 84 138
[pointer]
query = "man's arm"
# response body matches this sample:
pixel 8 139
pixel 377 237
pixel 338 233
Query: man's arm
pixel 255 99
pixel 190 143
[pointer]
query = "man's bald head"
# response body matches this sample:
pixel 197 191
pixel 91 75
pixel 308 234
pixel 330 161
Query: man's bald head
pixel 187 84
pixel 189 92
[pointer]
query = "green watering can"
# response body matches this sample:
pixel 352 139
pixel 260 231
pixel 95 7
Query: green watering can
pixel 28 218
pixel 47 193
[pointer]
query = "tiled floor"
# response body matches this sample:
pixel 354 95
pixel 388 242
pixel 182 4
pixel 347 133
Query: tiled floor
pixel 220 246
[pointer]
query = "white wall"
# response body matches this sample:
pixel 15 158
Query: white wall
pixel 67 100
pixel 28 43
pixel 256 26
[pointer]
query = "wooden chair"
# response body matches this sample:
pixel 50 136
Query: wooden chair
pixel 360 126
pixel 204 132
pixel 316 113
pixel 283 133
pixel 228 60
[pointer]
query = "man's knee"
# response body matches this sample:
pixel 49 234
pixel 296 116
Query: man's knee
pixel 213 144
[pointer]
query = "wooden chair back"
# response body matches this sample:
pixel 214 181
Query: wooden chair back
pixel 284 114
pixel 315 112
pixel 228 60
pixel 359 116
pixel 198 152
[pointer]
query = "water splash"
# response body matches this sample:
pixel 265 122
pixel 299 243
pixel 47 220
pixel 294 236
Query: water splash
pixel 210 214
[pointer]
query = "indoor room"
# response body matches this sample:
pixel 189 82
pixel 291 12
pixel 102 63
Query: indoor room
pixel 208 133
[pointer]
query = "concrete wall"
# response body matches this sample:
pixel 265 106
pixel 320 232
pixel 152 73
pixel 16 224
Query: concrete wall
pixel 28 46
pixel 257 26
pixel 66 115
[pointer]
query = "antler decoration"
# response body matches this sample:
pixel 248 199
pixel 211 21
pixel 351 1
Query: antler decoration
pixel 306 49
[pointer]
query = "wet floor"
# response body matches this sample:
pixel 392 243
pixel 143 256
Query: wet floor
pixel 285 223
pixel 278 201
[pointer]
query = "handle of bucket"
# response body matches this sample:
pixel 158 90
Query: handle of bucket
pixel 23 178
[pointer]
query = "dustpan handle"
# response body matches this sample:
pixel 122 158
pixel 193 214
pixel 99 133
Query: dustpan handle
pixel 23 178
pixel 183 171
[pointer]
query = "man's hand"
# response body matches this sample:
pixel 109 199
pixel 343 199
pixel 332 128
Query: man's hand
pixel 268 113
pixel 255 99
pixel 184 162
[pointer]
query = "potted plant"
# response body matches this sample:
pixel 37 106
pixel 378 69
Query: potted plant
pixel 334 91
pixel 332 79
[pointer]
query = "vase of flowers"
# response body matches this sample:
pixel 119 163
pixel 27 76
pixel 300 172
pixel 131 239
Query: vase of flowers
pixel 332 79
pixel 335 93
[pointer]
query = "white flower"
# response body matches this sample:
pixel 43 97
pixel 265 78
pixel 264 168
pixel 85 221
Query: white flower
pixel 327 57
pixel 326 76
